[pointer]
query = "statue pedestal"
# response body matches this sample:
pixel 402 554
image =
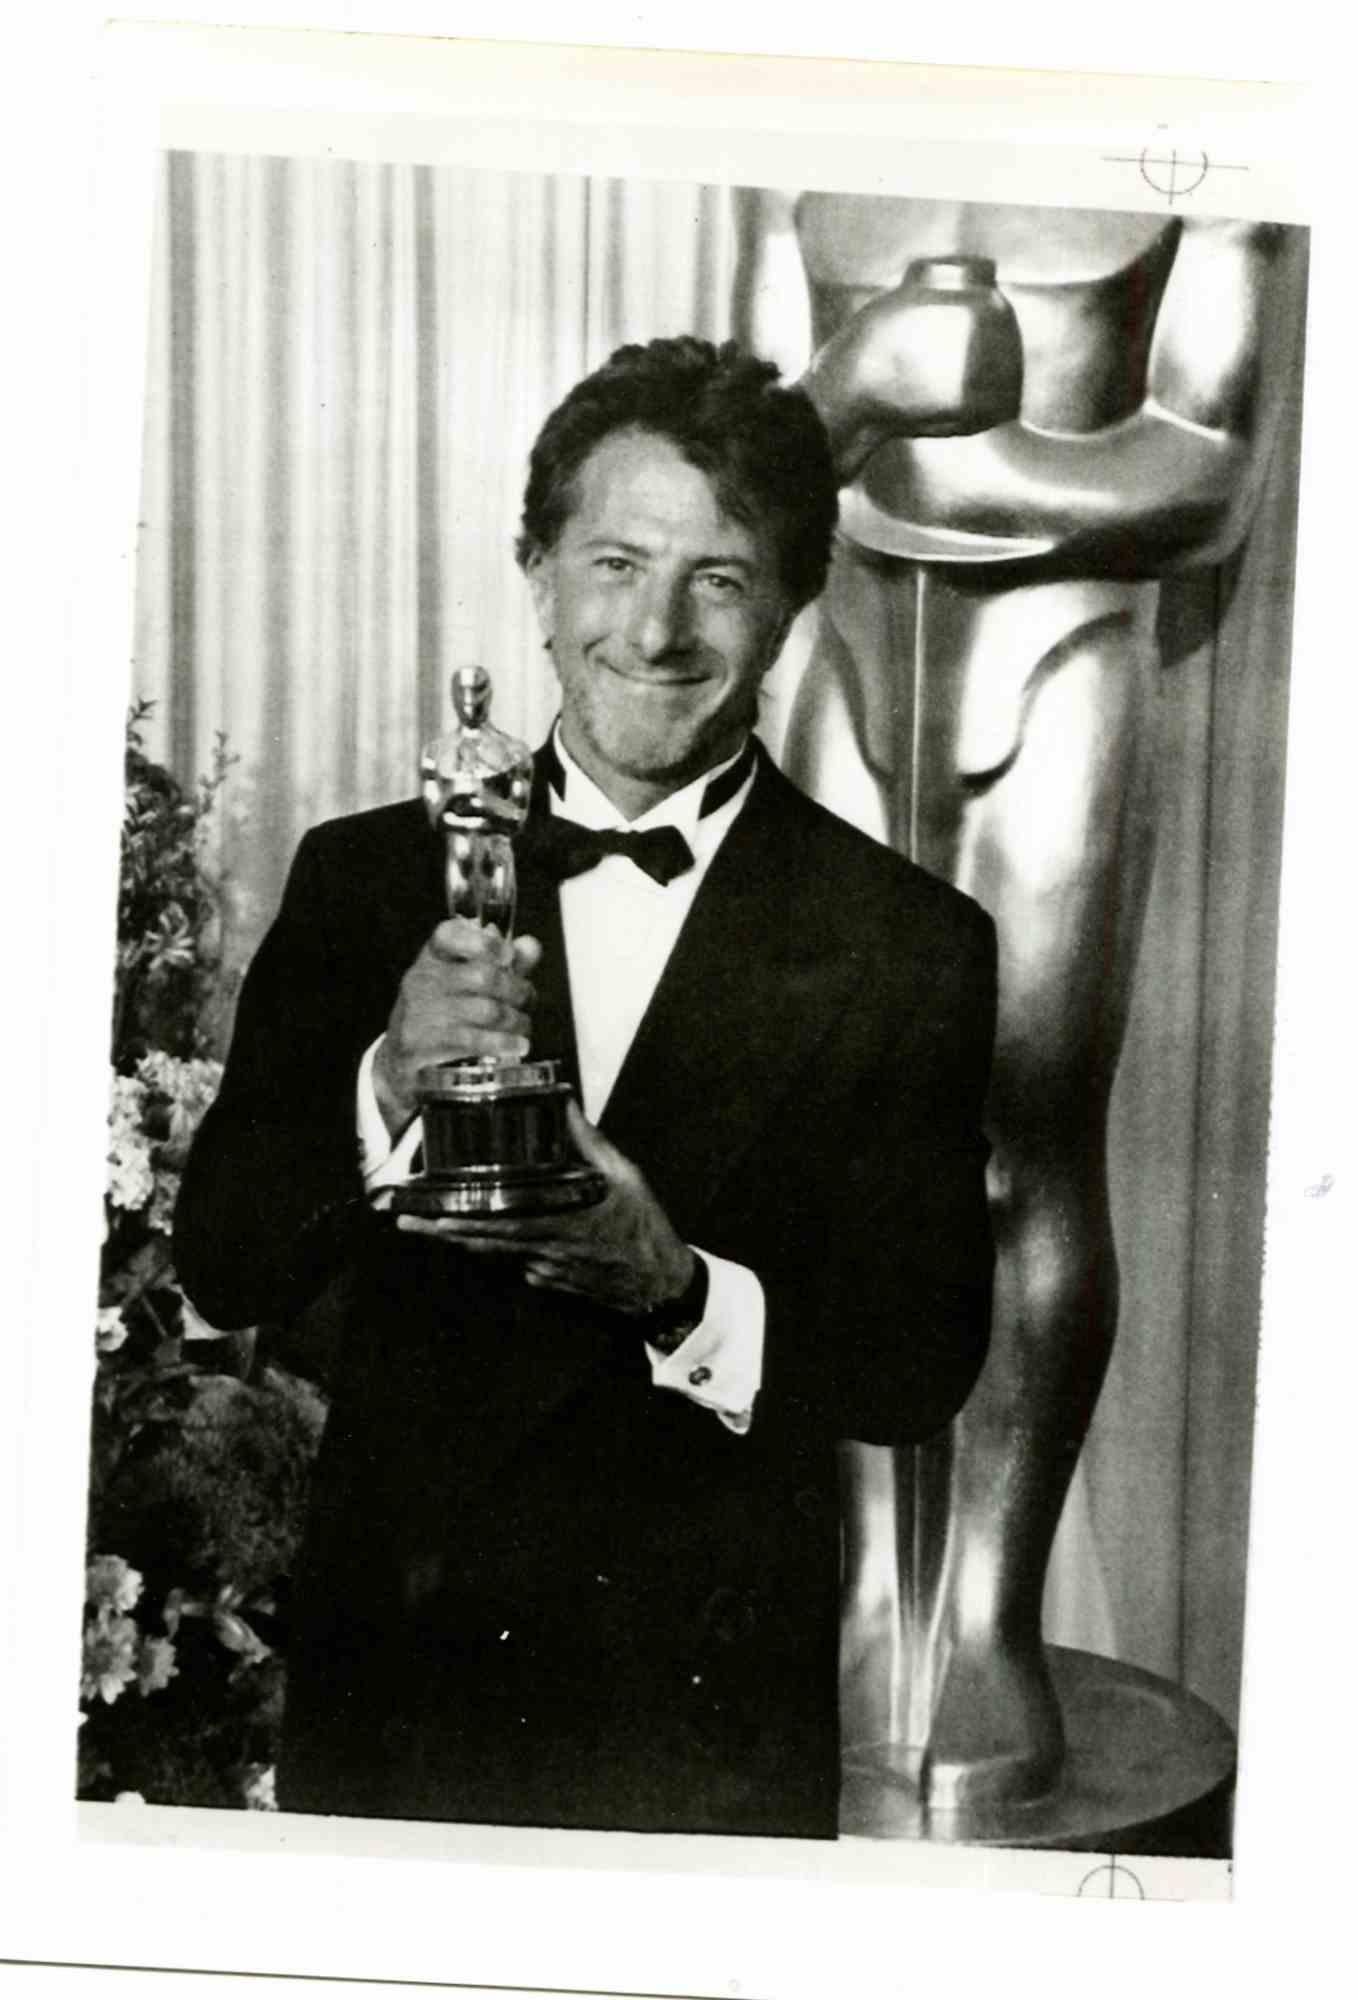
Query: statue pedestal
pixel 1149 1769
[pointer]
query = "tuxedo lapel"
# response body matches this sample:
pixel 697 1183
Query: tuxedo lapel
pixel 751 987
pixel 404 890
pixel 539 916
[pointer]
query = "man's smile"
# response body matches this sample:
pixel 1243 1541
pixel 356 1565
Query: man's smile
pixel 649 680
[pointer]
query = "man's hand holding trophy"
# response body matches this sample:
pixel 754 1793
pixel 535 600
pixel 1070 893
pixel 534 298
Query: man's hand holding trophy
pixel 456 1052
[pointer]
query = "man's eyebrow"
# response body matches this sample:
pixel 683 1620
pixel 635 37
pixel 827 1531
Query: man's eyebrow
pixel 726 562
pixel 626 548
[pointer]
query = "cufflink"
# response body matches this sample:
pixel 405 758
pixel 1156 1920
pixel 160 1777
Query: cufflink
pixel 697 1377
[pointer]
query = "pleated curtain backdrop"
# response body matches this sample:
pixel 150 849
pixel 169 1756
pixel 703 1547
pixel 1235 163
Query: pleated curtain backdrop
pixel 347 366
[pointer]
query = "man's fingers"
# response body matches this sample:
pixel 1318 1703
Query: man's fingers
pixel 561 1275
pixel 530 1234
pixel 476 1026
pixel 458 976
pixel 459 1045
pixel 489 1010
pixel 459 939
pixel 450 1230
pixel 510 1043
pixel 554 1279
pixel 535 1234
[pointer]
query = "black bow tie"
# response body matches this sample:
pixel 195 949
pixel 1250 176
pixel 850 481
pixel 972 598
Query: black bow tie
pixel 562 848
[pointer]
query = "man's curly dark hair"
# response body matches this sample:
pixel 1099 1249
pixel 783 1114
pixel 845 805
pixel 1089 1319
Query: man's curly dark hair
pixel 761 444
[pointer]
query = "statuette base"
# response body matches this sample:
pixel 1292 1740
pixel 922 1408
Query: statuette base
pixel 477 1194
pixel 1149 1769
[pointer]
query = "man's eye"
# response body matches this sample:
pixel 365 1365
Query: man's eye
pixel 613 565
pixel 718 584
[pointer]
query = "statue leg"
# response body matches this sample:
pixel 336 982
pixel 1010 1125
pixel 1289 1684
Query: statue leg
pixel 1057 844
pixel 1006 738
pixel 852 713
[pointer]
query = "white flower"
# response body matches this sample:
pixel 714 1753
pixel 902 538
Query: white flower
pixel 110 1330
pixel 188 1083
pixel 155 1665
pixel 128 1096
pixel 111 1583
pixel 130 1180
pixel 109 1657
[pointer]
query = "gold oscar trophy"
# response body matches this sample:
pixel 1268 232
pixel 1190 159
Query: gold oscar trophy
pixel 495 1134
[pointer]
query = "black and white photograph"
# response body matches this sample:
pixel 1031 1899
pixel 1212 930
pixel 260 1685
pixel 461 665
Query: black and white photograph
pixel 812 1277
pixel 693 1009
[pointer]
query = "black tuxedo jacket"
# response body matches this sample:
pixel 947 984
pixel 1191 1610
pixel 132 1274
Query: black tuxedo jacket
pixel 536 1589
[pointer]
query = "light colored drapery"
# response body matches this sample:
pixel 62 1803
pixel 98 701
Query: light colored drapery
pixel 348 364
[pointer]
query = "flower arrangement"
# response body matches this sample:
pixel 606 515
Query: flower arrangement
pixel 168 958
pixel 154 1114
pixel 117 1652
pixel 199 1460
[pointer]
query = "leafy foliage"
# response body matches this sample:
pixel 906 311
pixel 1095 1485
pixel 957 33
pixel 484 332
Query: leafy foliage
pixel 167 906
pixel 198 1466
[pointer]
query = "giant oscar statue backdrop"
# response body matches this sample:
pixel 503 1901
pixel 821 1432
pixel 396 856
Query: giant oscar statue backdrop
pixel 1039 415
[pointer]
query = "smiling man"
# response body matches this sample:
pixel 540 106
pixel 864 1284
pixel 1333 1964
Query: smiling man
pixel 663 613
pixel 573 1557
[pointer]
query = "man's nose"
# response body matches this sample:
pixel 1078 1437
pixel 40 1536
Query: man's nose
pixel 661 621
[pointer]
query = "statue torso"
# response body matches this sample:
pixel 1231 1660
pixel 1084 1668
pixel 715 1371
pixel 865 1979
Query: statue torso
pixel 1085 286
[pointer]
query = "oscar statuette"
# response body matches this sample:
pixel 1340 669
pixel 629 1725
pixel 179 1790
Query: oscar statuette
pixel 495 1134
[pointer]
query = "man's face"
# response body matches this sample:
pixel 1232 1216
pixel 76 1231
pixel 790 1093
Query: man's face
pixel 664 615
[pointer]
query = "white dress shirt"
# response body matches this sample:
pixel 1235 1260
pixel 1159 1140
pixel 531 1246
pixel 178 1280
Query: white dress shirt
pixel 620 928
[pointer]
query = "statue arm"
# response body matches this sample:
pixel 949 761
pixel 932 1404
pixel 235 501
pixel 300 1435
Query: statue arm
pixel 867 381
pixel 1174 484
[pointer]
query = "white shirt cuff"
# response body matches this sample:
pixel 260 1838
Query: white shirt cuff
pixel 721 1364
pixel 383 1164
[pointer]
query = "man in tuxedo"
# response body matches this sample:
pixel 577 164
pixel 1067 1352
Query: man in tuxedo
pixel 574 1538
